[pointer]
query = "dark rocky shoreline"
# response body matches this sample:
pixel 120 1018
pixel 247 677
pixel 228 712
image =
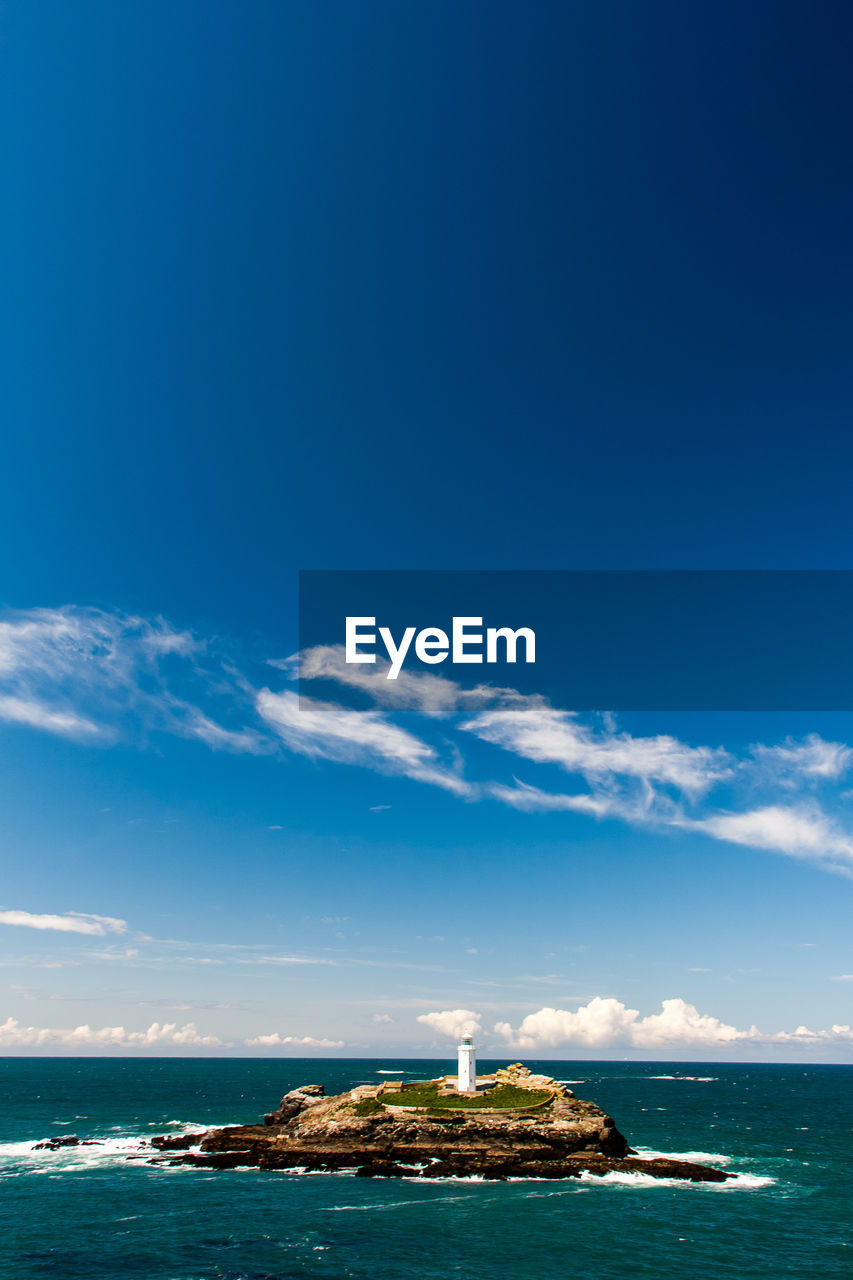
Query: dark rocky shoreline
pixel 370 1130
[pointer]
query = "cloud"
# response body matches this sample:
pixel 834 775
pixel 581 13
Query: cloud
pixel 813 758
pixel 88 674
pixel 382 1018
pixel 219 739
pixel 531 800
pixel 70 922
pixel 839 1033
pixel 545 735
pixel 452 1022
pixel 428 694
pixel 606 1023
pixel 302 1042
pixel 36 715
pixel 800 832
pixel 15 1036
pixel 353 737
pixel 96 677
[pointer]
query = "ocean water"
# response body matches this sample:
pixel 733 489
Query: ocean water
pixel 103 1212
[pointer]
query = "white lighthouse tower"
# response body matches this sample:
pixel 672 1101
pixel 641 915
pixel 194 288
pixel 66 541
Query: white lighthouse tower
pixel 467 1082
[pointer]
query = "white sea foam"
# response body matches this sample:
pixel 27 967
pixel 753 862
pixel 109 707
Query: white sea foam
pixel 741 1181
pixel 360 1208
pixel 91 1152
pixel 23 1157
pixel 701 1079
pixel 449 1177
pixel 695 1157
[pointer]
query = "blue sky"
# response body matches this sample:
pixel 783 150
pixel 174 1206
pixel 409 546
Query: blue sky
pixel 436 287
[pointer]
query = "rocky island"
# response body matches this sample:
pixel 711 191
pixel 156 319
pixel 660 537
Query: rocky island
pixel 515 1124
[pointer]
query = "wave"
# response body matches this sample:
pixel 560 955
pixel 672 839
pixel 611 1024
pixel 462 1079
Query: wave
pixel 702 1079
pixel 695 1157
pixel 23 1157
pixel 740 1182
pixel 91 1152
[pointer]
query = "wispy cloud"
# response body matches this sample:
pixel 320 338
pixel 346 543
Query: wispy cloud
pixel 98 677
pixel 95 676
pixel 531 799
pixel 220 739
pixel 423 692
pixel 38 715
pixel 545 735
pixel 70 922
pixel 800 832
pixel 332 732
pixel 812 759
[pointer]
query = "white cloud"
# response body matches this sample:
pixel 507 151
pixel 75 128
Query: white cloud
pixel 382 1018
pixel 839 1033
pixel 531 800
pixel 219 739
pixel 15 1036
pixel 91 676
pixel 429 694
pixel 452 1022
pixel 86 674
pixel 302 1042
pixel 608 1023
pixel 37 715
pixel 353 737
pixel 812 758
pixel 70 922
pixel 546 735
pixel 420 691
pixel 799 832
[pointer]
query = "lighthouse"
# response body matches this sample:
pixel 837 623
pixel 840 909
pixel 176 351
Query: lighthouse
pixel 467 1082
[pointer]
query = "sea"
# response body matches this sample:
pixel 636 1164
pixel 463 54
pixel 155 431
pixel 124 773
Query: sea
pixel 102 1211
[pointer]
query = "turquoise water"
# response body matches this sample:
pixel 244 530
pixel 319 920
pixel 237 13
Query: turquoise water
pixel 103 1212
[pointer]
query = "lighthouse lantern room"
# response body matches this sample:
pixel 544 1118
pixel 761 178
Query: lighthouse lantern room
pixel 467 1081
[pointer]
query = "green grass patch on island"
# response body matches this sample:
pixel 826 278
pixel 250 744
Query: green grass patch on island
pixel 368 1107
pixel 500 1097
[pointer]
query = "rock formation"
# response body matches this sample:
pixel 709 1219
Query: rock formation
pixel 372 1130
